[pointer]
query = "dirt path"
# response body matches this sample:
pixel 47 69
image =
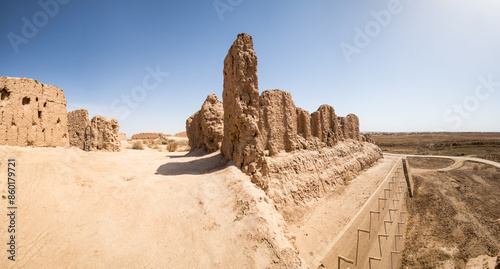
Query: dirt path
pixel 461 159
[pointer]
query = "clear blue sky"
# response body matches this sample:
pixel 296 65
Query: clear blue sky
pixel 410 65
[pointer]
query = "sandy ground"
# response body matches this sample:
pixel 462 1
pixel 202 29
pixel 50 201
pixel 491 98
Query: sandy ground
pixel 136 209
pixel 151 209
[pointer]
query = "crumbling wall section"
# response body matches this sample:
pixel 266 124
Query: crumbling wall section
pixel 148 136
pixel 325 125
pixel 241 142
pixel 322 150
pixel 278 121
pixel 102 134
pixel 350 127
pixel 78 122
pixel 32 114
pixel 298 177
pixel 303 123
pixel 205 127
pixel 367 138
pixel 122 136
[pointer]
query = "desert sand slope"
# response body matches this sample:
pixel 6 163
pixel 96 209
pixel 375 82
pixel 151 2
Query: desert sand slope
pixel 139 209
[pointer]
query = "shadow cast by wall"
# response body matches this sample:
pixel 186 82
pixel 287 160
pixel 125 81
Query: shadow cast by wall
pixel 194 153
pixel 205 164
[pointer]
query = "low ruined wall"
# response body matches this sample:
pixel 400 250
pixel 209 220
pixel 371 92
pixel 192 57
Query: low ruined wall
pixel 148 136
pixel 32 114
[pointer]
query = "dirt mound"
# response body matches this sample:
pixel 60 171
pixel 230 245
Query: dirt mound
pixel 205 127
pixel 181 134
pixel 33 114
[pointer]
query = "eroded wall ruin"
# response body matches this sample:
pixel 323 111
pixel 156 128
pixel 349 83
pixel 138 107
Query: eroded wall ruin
pixel 78 122
pixel 148 136
pixel 32 114
pixel 278 121
pixel 241 142
pixel 205 127
pixel 324 125
pixel 102 134
pixel 122 136
pixel 303 123
pixel 350 127
pixel 367 138
pixel 323 150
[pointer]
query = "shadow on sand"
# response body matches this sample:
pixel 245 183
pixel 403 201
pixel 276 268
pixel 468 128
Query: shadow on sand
pixel 203 163
pixel 196 153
